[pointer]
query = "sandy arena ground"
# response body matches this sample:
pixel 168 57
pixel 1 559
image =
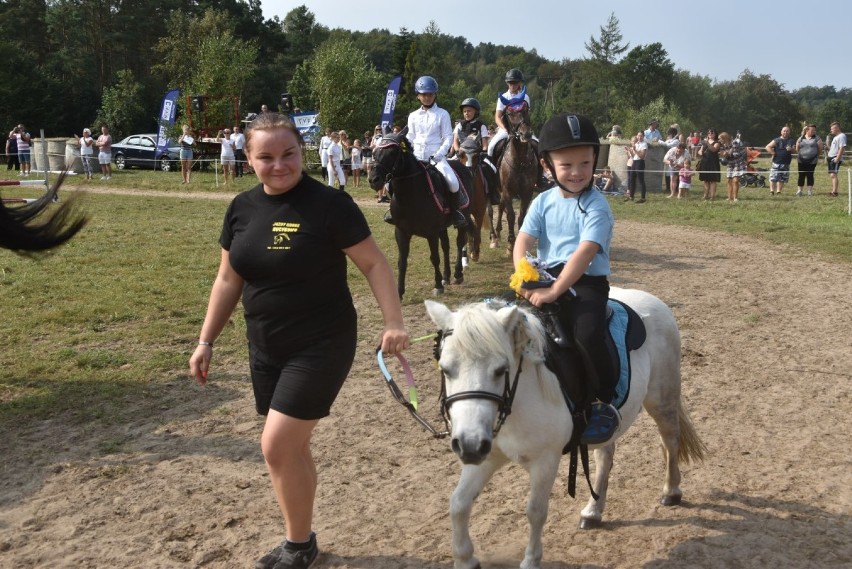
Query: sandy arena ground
pixel 766 371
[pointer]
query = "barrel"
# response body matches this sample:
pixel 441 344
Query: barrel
pixel 56 153
pixel 654 167
pixel 37 154
pixel 603 156
pixel 72 156
pixel 617 162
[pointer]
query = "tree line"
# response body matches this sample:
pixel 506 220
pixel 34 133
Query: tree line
pixel 75 63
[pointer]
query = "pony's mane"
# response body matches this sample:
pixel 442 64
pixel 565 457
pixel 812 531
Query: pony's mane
pixel 479 332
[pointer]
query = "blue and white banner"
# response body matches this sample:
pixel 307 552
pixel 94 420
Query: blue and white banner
pixel 168 110
pixel 307 124
pixel 390 102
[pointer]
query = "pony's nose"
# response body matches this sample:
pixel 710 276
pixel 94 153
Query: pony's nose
pixel 471 450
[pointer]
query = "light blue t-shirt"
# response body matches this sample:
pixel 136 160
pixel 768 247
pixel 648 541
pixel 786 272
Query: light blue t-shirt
pixel 560 226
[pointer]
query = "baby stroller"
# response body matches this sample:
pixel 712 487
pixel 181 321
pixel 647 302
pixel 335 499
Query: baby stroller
pixel 753 177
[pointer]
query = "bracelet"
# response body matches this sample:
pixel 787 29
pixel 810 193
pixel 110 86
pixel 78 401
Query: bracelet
pixel 203 343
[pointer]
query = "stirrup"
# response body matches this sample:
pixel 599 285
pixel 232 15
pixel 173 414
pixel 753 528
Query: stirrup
pixel 389 218
pixel 457 217
pixel 604 420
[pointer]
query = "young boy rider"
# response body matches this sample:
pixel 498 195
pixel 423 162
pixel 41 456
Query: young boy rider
pixel 573 226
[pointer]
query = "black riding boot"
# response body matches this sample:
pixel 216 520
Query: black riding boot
pixel 456 216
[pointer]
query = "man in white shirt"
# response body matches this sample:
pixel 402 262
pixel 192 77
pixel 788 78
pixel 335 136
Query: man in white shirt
pixel 239 140
pixel 835 155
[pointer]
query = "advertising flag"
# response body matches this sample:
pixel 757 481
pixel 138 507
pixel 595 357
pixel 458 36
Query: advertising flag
pixel 390 101
pixel 168 110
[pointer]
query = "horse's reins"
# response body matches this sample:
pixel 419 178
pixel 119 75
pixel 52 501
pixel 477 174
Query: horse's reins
pixel 504 400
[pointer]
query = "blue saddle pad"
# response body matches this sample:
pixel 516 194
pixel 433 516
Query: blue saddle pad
pixel 618 323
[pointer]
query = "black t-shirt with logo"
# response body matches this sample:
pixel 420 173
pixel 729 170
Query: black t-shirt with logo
pixel 289 250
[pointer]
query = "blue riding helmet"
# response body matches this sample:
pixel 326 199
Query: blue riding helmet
pixel 426 84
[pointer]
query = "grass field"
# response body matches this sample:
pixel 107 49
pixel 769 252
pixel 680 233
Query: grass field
pixel 114 314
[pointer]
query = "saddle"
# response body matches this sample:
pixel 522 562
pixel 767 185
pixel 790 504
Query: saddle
pixel 489 176
pixel 440 191
pixel 626 333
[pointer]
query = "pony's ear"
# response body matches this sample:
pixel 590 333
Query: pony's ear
pixel 404 132
pixel 440 314
pixel 386 130
pixel 509 317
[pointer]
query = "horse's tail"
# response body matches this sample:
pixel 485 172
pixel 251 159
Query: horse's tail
pixel 690 445
pixel 19 234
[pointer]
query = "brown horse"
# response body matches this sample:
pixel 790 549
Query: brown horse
pixel 471 154
pixel 26 230
pixel 518 170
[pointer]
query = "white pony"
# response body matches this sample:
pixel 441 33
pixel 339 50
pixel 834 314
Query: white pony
pixel 484 347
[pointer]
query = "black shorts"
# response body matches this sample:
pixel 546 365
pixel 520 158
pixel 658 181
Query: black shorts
pixel 304 384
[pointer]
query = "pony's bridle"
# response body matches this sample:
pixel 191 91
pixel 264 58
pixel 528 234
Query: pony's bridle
pixel 388 143
pixel 504 400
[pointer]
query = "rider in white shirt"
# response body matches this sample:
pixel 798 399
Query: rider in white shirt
pixel 430 132
pixel 515 81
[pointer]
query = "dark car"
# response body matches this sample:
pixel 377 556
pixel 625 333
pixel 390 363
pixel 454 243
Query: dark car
pixel 141 150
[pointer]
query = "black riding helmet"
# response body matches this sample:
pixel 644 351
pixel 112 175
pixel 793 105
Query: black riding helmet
pixel 567 130
pixel 470 102
pixel 515 75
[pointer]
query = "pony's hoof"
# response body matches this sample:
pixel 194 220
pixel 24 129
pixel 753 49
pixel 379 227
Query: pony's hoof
pixel 437 291
pixel 590 523
pixel 670 500
pixel 458 280
pixel 492 245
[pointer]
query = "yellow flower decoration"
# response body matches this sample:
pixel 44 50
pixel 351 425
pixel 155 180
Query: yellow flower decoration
pixel 524 273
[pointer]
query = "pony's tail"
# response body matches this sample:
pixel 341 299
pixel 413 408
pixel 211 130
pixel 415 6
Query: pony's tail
pixel 690 445
pixel 21 234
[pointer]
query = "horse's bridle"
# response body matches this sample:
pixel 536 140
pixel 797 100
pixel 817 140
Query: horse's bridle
pixel 504 400
pixel 390 173
pixel 514 131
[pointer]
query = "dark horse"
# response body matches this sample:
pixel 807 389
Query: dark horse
pixel 21 232
pixel 518 169
pixel 471 154
pixel 418 205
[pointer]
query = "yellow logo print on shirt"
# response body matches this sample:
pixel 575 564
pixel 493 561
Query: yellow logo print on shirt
pixel 281 231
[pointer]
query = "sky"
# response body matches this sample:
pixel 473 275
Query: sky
pixel 704 38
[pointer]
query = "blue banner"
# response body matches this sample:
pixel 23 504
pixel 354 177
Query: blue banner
pixel 390 102
pixel 168 110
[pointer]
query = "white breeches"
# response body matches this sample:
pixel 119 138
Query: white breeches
pixel 447 171
pixel 501 134
pixel 335 172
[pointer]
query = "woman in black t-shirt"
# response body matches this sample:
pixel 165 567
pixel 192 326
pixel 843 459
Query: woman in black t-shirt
pixel 285 244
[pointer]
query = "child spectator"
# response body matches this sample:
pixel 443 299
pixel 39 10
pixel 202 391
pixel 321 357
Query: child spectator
pixel 355 156
pixel 685 175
